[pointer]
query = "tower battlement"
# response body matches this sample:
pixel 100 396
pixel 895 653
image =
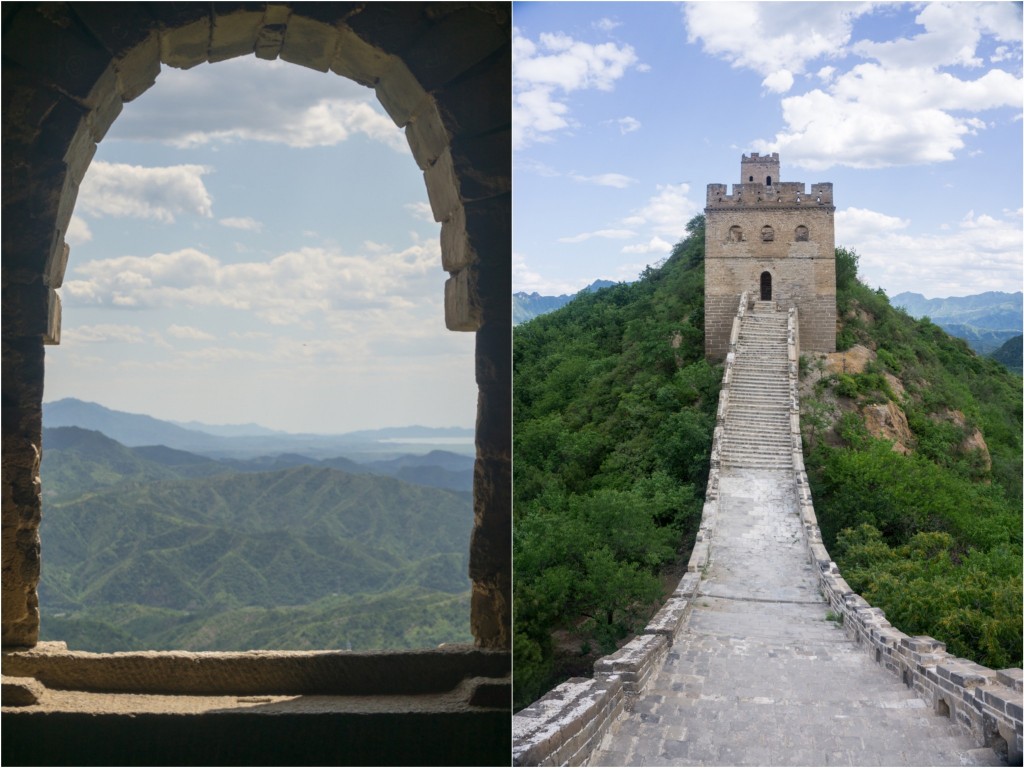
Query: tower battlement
pixel 761 186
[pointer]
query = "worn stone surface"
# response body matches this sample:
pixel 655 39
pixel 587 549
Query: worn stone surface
pixel 853 360
pixel 21 691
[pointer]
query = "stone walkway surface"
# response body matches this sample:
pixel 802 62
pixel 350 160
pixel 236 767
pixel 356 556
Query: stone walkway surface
pixel 761 676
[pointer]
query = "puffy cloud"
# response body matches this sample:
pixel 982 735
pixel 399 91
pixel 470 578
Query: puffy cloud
pixel 118 189
pixel 654 245
pixel 242 222
pixel 952 32
pixel 616 180
pixel 548 70
pixel 982 252
pixel 778 82
pixel 771 37
pixel 628 125
pixel 896 106
pixel 78 232
pixel 291 288
pixel 283 104
pixel 872 117
pixel 666 212
pixel 606 25
pixel 608 234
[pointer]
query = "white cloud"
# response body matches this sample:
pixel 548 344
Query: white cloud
pixel 606 25
pixel 951 37
pixel 982 252
pixel 896 106
pixel 667 212
pixel 118 189
pixel 188 332
pixel 102 333
pixel 628 125
pixel 769 37
pixel 854 224
pixel 78 232
pixel 421 211
pixel 545 72
pixel 294 287
pixel 778 82
pixel 608 234
pixel 617 180
pixel 654 245
pixel 242 222
pixel 236 100
pixel 871 117
pixel 525 280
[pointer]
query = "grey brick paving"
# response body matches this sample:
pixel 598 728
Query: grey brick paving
pixel 760 676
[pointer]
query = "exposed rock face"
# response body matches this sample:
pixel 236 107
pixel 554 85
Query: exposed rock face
pixel 853 360
pixel 973 439
pixel 21 691
pixel 888 422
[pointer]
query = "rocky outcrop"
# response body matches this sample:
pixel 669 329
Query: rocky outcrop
pixel 888 422
pixel 973 439
pixel 853 360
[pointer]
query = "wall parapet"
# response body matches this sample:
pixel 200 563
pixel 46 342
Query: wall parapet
pixel 567 724
pixel 985 703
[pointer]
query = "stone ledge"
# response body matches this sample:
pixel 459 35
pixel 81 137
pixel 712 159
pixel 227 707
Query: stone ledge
pixel 256 672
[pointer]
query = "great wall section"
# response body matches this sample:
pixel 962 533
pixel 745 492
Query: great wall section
pixel 763 655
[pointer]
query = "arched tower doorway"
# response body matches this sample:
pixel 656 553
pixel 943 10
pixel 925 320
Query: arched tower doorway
pixel 766 286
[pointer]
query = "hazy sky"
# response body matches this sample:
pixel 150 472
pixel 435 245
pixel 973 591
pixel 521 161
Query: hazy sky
pixel 625 112
pixel 252 242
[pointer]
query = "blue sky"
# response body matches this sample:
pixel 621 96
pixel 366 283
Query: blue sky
pixel 624 112
pixel 253 243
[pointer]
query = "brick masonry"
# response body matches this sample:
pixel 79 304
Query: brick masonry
pixel 773 227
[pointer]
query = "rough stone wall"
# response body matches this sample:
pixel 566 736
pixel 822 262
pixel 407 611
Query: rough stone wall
pixel 984 702
pixel 779 229
pixel 440 70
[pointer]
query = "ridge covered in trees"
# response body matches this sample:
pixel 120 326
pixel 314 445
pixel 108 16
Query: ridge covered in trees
pixel 614 409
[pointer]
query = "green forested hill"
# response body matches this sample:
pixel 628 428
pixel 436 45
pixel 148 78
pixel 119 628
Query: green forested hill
pixel 613 416
pixel 932 536
pixel 613 411
pixel 241 560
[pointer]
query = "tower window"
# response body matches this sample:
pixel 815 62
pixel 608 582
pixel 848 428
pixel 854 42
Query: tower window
pixel 750 178
pixel 735 235
pixel 801 235
pixel 767 234
pixel 768 181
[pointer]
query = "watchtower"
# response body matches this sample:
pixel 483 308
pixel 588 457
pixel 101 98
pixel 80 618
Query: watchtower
pixel 775 241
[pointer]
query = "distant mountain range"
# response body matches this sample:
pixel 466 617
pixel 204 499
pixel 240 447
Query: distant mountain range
pixel 526 306
pixel 154 547
pixel 984 320
pixel 250 440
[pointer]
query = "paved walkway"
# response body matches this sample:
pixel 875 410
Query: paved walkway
pixel 760 675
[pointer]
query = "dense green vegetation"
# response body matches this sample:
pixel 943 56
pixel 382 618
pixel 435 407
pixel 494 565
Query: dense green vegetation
pixel 933 537
pixel 153 550
pixel 614 411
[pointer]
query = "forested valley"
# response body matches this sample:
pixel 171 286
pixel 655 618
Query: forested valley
pixel 614 411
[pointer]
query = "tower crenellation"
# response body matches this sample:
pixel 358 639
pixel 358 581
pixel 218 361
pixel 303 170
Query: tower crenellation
pixel 774 240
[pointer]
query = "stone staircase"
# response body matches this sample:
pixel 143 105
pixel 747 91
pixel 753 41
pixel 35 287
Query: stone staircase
pixel 757 425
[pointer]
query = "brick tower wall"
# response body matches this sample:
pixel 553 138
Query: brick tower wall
pixel 780 229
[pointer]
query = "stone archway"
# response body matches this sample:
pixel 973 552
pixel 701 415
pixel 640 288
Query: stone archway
pixel 766 286
pixel 441 70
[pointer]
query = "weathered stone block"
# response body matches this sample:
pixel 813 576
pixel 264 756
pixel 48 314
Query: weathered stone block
pixel 462 310
pixel 310 43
